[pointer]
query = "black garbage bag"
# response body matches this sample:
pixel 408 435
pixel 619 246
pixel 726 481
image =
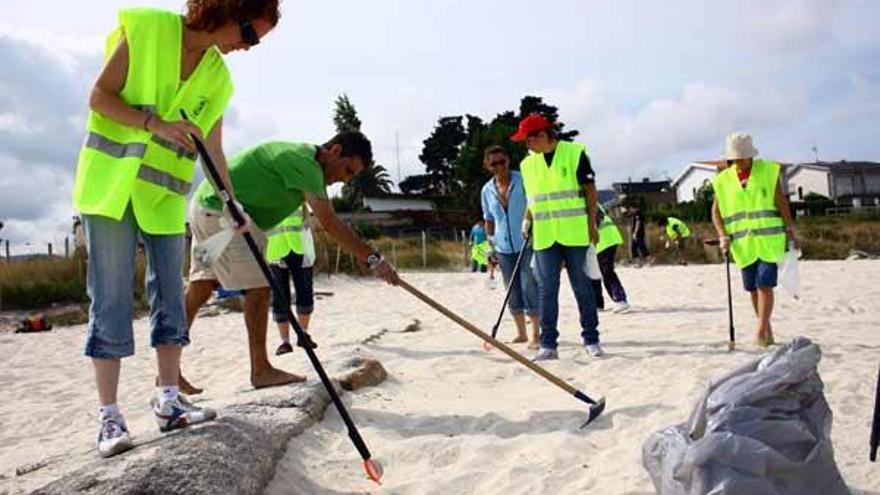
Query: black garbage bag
pixel 763 429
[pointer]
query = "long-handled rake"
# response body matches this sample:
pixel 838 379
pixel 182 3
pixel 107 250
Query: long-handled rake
pixel 372 467
pixel 596 406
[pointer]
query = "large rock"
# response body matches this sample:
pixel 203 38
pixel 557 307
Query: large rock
pixel 236 454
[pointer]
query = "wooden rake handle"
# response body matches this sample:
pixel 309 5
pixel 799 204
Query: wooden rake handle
pixel 487 338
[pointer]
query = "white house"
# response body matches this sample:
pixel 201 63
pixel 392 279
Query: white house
pixel 848 183
pixel 398 202
pixel 693 178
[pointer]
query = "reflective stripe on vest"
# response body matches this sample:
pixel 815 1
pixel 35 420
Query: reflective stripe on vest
pixel 286 237
pixel 750 216
pixel 556 199
pixel 284 229
pixel 609 234
pixel 121 166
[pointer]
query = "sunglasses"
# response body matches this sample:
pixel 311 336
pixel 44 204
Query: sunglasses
pixel 497 163
pixel 248 33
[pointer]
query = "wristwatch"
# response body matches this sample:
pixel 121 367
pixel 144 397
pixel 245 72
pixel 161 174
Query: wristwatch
pixel 374 259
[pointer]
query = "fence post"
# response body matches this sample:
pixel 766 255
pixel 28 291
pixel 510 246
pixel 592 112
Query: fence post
pixel 67 247
pixel 50 249
pixel 327 257
pixel 424 250
pixel 394 252
pixel 7 250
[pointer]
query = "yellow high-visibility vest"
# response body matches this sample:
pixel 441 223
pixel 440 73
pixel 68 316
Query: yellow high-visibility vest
pixel 609 234
pixel 556 200
pixel 682 231
pixel 120 164
pixel 751 218
pixel 286 237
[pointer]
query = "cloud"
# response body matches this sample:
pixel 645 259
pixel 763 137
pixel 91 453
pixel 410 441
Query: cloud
pixel 42 116
pixel 792 25
pixel 663 133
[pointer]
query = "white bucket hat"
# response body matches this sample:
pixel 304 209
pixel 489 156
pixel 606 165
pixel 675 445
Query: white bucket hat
pixel 739 146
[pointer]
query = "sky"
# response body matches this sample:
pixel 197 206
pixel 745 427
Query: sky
pixel 650 84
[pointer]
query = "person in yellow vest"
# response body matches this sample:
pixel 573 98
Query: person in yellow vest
pixel 134 171
pixel 272 180
pixel 677 234
pixel 285 252
pixel 561 193
pixel 753 221
pixel 606 249
pixel 479 243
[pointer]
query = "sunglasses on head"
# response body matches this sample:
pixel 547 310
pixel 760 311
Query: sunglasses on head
pixel 248 33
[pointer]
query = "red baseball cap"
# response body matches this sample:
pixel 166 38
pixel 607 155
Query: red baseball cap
pixel 532 123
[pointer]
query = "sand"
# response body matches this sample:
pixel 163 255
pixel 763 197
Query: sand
pixel 454 419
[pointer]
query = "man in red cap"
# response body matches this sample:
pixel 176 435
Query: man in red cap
pixel 561 190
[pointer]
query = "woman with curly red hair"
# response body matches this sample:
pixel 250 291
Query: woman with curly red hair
pixel 134 171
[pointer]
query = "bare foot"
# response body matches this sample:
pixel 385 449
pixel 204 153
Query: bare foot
pixel 519 339
pixel 272 377
pixel 534 345
pixel 187 388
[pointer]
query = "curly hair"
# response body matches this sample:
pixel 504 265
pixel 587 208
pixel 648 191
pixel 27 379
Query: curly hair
pixel 209 15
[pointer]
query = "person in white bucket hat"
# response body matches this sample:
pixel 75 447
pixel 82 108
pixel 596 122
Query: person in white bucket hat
pixel 754 223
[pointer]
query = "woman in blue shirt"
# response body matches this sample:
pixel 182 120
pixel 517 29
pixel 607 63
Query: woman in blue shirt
pixel 503 200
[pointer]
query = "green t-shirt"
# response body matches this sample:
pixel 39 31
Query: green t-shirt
pixel 269 181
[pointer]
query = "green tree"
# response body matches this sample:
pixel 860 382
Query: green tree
pixel 345 116
pixel 373 181
pixel 440 151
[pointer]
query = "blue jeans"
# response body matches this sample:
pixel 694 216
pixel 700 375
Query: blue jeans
pixel 549 263
pixel 302 284
pixel 111 250
pixel 523 286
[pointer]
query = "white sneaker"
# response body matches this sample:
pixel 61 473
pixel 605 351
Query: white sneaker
pixel 546 355
pixel 113 438
pixel 180 413
pixel 621 307
pixel 595 350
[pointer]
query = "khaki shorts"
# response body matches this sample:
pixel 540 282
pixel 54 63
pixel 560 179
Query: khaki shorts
pixel 236 267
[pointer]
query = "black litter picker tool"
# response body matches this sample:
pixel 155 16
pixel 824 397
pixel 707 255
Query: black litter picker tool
pixel 731 343
pixel 875 429
pixel 596 406
pixel 372 467
pixel 519 259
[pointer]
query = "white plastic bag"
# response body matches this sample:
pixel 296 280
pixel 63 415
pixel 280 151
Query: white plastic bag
pixel 789 276
pixel 211 248
pixel 592 264
pixel 308 245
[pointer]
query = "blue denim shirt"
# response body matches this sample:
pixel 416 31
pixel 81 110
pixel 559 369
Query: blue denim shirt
pixel 508 238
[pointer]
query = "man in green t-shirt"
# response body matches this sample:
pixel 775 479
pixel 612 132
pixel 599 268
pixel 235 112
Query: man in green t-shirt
pixel 271 181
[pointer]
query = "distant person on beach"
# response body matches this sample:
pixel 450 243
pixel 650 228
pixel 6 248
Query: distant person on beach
pixel 606 252
pixel 753 221
pixel 561 189
pixel 133 174
pixel 503 199
pixel 677 234
pixel 638 244
pixel 286 253
pixel 479 244
pixel 273 180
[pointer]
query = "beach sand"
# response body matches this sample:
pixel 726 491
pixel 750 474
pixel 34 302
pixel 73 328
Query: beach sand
pixel 454 419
